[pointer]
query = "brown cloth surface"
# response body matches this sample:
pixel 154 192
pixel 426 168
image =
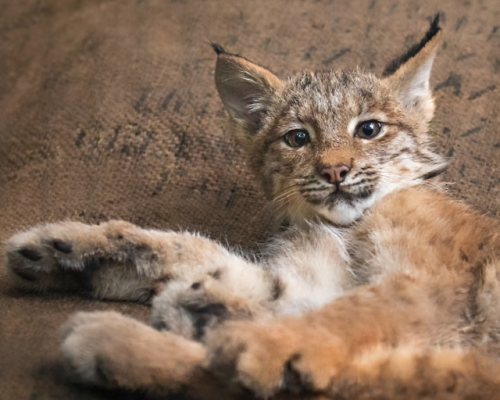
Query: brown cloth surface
pixel 108 110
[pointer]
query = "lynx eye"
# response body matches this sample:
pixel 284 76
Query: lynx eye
pixel 369 129
pixel 296 138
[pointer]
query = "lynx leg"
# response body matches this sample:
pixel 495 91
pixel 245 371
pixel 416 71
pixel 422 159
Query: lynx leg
pixel 409 372
pixel 269 357
pixel 312 351
pixel 190 310
pixel 111 350
pixel 114 260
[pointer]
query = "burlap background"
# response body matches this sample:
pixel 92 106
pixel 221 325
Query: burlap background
pixel 108 110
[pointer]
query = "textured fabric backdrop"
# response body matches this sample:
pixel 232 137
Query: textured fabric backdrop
pixel 108 110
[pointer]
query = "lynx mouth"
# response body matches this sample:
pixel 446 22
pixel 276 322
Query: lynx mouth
pixel 341 195
pixel 338 194
pixel 342 208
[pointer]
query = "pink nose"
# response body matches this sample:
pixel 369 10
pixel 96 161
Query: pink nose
pixel 334 174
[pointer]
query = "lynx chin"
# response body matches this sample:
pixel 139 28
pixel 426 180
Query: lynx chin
pixel 381 286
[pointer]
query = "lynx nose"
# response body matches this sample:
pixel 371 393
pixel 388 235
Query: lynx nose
pixel 334 174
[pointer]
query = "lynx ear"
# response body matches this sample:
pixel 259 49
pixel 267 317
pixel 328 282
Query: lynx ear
pixel 411 73
pixel 245 89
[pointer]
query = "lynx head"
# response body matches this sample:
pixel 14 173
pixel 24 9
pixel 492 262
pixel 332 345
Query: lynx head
pixel 328 145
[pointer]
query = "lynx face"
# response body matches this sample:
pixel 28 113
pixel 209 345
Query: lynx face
pixel 337 142
pixel 327 145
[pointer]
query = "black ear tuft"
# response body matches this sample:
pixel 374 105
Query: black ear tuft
pixel 414 50
pixel 217 48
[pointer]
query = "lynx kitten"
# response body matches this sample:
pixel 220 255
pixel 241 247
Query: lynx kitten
pixel 382 287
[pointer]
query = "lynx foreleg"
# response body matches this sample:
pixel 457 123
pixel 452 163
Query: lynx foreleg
pixel 115 260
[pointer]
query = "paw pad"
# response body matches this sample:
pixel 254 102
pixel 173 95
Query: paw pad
pixel 25 275
pixel 30 254
pixel 61 246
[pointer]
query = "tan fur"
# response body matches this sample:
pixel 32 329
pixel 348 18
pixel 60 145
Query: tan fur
pixel 383 287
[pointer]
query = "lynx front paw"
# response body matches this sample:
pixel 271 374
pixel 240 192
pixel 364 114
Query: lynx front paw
pixel 50 257
pixel 269 358
pixel 99 260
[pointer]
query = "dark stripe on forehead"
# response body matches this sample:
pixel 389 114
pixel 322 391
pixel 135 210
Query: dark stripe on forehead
pixel 278 289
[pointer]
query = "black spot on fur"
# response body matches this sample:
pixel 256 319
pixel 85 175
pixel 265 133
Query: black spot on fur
pixel 216 309
pixel 143 247
pixel 30 254
pixel 394 65
pixel 216 274
pixel 313 200
pixel 196 285
pixel 84 278
pixel 159 325
pixel 61 246
pixel 291 379
pixel 164 278
pixel 207 316
pixel 405 150
pixel 278 289
pixel 305 82
pixel 294 381
pixel 99 370
pixel 478 276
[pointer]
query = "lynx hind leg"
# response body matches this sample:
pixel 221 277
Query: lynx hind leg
pixel 190 309
pixel 114 260
pixel 111 350
pixel 411 372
